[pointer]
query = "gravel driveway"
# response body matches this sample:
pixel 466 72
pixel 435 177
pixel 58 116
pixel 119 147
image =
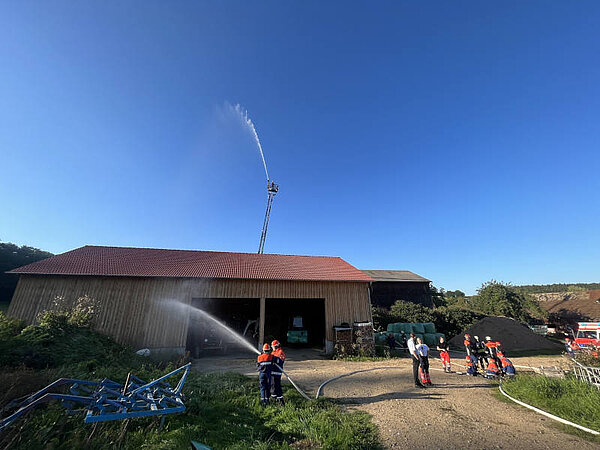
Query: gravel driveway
pixel 457 412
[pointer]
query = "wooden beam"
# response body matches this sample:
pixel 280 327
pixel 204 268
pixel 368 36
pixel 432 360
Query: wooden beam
pixel 261 324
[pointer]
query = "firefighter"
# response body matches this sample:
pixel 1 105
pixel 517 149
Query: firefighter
pixel 507 367
pixel 481 353
pixel 493 348
pixel 467 343
pixel 278 360
pixel 569 348
pixel 471 363
pixel 492 369
pixel 264 364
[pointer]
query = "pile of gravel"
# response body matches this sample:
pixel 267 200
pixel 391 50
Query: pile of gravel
pixel 511 334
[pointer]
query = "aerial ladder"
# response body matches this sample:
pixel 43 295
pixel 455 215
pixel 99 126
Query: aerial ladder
pixel 272 189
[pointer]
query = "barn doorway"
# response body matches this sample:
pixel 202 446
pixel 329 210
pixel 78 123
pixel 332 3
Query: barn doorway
pixel 206 338
pixel 295 322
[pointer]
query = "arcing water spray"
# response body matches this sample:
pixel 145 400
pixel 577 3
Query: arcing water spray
pixel 182 308
pixel 243 115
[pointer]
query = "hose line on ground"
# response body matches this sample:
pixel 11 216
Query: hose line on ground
pixel 347 375
pixel 547 414
pixel 294 384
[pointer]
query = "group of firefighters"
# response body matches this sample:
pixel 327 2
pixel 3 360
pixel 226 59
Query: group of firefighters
pixel 486 354
pixel 489 356
pixel 270 366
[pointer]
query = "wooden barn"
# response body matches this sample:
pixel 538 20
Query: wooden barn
pixel 391 285
pixel 149 298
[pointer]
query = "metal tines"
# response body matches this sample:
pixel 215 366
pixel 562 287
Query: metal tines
pixel 107 400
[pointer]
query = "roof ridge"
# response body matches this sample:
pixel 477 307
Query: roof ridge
pixel 196 250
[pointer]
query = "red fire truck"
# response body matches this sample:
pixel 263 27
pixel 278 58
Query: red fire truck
pixel 588 333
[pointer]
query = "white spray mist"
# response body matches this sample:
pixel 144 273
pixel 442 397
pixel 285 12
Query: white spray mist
pixel 241 112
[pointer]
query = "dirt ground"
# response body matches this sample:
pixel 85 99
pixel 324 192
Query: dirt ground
pixel 456 412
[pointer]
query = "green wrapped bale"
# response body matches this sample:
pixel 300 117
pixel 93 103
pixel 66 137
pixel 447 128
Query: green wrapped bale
pixel 429 328
pixel 430 340
pixel 390 327
pixel 418 328
pixel 380 338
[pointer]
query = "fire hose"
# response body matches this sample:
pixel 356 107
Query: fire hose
pixel 533 408
pixel 300 391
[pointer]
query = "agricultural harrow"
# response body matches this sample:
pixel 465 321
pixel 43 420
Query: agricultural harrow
pixel 106 400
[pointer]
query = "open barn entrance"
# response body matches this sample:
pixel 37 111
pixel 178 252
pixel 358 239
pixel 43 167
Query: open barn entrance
pixel 240 314
pixel 295 322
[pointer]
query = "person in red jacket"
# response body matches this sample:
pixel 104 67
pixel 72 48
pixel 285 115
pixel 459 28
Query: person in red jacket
pixel 492 370
pixel 264 365
pixel 278 360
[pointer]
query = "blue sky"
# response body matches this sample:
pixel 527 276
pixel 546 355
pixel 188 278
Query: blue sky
pixel 458 140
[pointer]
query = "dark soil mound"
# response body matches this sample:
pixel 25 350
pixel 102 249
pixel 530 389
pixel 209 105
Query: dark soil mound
pixel 511 334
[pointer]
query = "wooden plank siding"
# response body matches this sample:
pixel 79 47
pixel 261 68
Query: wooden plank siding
pixel 130 309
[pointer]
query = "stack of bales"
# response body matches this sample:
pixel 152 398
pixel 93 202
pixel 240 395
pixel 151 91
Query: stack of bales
pixel 426 331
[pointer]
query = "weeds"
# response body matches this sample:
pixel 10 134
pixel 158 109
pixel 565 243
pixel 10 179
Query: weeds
pixel 222 410
pixel 567 398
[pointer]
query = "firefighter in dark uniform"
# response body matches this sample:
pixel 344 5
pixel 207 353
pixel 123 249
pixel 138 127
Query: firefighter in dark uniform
pixel 278 360
pixel 264 365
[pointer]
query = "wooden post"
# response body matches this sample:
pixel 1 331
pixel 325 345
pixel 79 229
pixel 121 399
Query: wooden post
pixel 261 324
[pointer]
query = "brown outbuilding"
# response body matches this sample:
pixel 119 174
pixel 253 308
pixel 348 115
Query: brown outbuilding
pixel 147 298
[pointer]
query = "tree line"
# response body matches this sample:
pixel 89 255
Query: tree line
pixel 11 257
pixel 454 312
pixel 558 287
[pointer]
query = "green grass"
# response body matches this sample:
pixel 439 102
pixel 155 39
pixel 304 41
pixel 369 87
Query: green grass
pixel 222 410
pixel 567 398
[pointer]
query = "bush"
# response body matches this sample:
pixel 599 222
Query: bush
pixel 450 320
pixel 57 340
pixel 10 327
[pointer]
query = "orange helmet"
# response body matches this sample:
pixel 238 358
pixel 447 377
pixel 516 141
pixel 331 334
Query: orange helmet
pixel 275 344
pixel 266 348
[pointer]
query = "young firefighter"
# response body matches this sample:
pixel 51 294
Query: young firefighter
pixel 481 353
pixel 279 359
pixel 471 363
pixel 423 351
pixel 507 367
pixel 492 370
pixel 264 364
pixel 492 348
pixel 442 347
pixel 467 343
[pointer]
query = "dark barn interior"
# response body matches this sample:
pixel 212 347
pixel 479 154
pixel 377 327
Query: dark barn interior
pixel 280 314
pixel 242 316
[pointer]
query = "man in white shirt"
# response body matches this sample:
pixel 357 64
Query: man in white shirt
pixel 412 349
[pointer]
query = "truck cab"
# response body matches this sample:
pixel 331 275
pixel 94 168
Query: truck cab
pixel 588 334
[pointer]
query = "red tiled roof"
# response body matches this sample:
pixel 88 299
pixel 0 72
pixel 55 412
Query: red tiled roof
pixel 154 262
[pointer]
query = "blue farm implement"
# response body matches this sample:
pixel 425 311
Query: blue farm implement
pixel 106 400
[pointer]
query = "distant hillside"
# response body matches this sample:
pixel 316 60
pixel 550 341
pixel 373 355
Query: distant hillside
pixel 558 287
pixel 11 257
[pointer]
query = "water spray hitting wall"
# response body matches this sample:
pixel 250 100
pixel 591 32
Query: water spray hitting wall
pixel 183 310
